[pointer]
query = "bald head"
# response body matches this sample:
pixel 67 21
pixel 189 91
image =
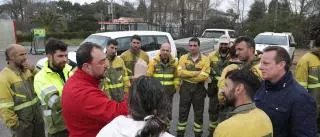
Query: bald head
pixel 12 49
pixel 165 51
pixel 16 56
pixel 166 45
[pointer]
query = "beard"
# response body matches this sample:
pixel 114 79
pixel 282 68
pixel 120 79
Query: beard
pixel 223 50
pixel 230 99
pixel 21 65
pixel 56 66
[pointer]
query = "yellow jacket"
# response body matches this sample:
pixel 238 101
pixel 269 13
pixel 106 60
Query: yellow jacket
pixel 247 121
pixel 116 76
pixel 48 83
pixel 130 60
pixel 307 72
pixel 166 73
pixel 255 69
pixel 217 64
pixel 16 94
pixel 187 68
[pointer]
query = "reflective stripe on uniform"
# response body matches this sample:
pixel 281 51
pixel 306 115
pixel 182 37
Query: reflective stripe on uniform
pixel 204 74
pixel 190 81
pixel 20 95
pixel 26 104
pixel 213 124
pixel 47 91
pixel 108 80
pixel 304 84
pixel 314 85
pixel 111 86
pixel 129 70
pixel 120 77
pixel 181 126
pixel 165 83
pixel 197 127
pixel 6 105
pixel 47 112
pixel 313 77
pixel 163 75
pixel 217 77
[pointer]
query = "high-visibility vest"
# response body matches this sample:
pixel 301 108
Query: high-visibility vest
pixel 48 83
pixel 165 72
pixel 17 98
pixel 116 76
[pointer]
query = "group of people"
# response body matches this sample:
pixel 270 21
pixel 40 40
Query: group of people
pixel 131 95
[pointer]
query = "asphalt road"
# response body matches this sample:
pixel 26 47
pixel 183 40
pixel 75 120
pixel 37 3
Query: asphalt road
pixel 189 131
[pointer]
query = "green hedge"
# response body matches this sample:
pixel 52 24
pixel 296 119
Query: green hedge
pixel 58 35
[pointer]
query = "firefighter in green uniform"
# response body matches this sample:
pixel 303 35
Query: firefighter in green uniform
pixel 164 68
pixel 193 70
pixel 19 105
pixel 219 59
pixel 48 84
pixel 245 51
pixel 117 83
pixel 308 74
pixel 131 56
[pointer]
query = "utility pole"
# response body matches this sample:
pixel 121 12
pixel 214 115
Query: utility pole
pixel 275 17
pixel 183 16
pixel 111 10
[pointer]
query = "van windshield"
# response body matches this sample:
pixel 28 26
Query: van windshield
pixel 271 40
pixel 213 34
pixel 99 40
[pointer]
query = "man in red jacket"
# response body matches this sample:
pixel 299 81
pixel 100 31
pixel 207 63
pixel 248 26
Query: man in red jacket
pixel 85 108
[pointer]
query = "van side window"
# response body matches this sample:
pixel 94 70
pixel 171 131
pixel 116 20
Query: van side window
pixel 162 39
pixel 123 44
pixel 232 34
pixel 148 43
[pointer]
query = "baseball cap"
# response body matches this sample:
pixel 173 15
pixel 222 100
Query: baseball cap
pixel 224 39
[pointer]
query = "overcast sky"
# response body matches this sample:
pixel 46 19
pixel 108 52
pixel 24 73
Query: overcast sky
pixel 226 4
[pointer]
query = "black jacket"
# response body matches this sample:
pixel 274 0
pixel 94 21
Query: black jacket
pixel 290 107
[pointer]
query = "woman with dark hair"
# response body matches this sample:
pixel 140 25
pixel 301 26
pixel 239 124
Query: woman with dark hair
pixel 148 107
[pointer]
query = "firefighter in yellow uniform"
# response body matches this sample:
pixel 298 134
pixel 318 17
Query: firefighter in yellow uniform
pixel 219 59
pixel 117 83
pixel 19 106
pixel 48 84
pixel 164 68
pixel 246 119
pixel 307 73
pixel 245 50
pixel 193 70
pixel 131 56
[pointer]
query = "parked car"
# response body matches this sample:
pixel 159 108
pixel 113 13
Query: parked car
pixel 150 42
pixel 285 40
pixel 208 40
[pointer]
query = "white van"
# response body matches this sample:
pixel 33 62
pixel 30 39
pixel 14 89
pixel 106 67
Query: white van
pixel 150 43
pixel 285 40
